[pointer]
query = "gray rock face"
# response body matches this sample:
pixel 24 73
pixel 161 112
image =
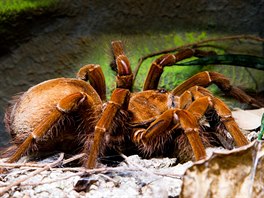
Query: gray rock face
pixel 54 42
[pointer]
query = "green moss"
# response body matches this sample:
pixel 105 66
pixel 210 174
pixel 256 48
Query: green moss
pixel 7 6
pixel 137 46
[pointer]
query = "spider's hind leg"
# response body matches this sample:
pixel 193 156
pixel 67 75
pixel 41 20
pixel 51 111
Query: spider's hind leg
pixel 66 106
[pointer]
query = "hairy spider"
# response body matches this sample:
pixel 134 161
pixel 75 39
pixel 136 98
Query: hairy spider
pixel 72 115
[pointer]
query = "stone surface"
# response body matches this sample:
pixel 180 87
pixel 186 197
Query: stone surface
pixel 135 177
pixel 158 179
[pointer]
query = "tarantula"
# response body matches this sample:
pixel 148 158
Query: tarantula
pixel 73 115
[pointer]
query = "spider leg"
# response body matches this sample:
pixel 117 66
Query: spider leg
pixel 187 98
pixel 172 119
pixel 163 123
pixel 190 95
pixel 226 117
pixel 203 79
pixel 65 106
pixel 156 68
pixel 95 75
pixel 201 104
pixel 124 78
pixel 119 100
pixel 188 119
pixel 207 78
pixel 191 128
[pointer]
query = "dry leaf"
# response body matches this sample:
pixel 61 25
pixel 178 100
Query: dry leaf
pixel 235 173
pixel 248 119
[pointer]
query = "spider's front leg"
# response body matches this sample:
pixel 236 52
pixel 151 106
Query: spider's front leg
pixel 199 107
pixel 206 78
pixel 94 74
pixel 124 78
pixel 159 131
pixel 203 79
pixel 229 122
pixel 156 68
pixel 119 101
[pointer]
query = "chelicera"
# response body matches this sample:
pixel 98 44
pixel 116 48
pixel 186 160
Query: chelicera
pixel 73 115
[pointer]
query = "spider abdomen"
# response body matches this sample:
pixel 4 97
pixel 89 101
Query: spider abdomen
pixel 35 105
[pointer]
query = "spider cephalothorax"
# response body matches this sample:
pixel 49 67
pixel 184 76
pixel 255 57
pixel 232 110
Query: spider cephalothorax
pixel 73 115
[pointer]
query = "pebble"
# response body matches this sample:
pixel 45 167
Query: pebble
pixel 115 184
pixel 139 183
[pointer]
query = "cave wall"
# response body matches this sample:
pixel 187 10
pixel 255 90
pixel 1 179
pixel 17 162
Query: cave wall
pixel 52 42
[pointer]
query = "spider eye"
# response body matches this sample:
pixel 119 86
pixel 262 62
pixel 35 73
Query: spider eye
pixel 162 90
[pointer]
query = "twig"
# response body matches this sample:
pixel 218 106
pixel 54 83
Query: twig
pixel 71 169
pixel 109 178
pixel 174 176
pixel 136 165
pixel 150 172
pixel 195 44
pixel 53 180
pixel 82 171
pixel 75 157
pixel 17 165
pixel 18 182
pixel 34 165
